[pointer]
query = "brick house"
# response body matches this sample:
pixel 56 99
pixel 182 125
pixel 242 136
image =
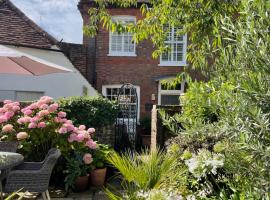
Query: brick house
pixel 115 60
pixel 20 33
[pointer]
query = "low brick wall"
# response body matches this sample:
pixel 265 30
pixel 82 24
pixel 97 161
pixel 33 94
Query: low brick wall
pixel 159 133
pixel 106 135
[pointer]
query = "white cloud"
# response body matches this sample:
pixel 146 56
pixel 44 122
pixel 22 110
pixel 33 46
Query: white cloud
pixel 61 18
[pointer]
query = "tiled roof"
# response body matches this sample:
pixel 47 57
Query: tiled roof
pixel 17 29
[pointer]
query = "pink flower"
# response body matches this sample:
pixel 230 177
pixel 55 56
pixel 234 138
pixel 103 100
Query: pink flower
pixel 46 99
pixel 53 107
pixel 24 120
pixel 8 101
pixel 87 158
pixel 62 114
pixel 80 137
pixel 7 128
pixel 69 127
pixel 62 130
pixel 16 108
pixel 43 113
pixel 91 144
pixel 82 127
pixel 41 125
pixel 44 106
pixel 28 112
pixel 32 125
pixel 3 118
pixel 2 110
pixel 35 119
pixel 91 130
pixel 22 135
pixel 33 106
pixel 9 114
pixel 72 138
pixel 69 122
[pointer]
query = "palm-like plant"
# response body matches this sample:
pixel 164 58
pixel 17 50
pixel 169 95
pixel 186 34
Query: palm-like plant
pixel 143 171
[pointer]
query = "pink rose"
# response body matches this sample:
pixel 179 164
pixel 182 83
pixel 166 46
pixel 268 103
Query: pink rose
pixel 7 128
pixel 62 130
pixel 72 138
pixel 22 135
pixel 33 106
pixel 87 158
pixel 43 113
pixel 8 101
pixel 62 114
pixel 3 118
pixel 28 112
pixel 16 108
pixel 3 110
pixel 53 107
pixel 91 130
pixel 69 127
pixel 44 106
pixel 82 127
pixel 41 125
pixel 46 99
pixel 9 114
pixel 80 137
pixel 35 119
pixel 32 125
pixel 91 144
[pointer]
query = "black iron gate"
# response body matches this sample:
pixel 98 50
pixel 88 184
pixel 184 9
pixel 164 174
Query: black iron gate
pixel 126 123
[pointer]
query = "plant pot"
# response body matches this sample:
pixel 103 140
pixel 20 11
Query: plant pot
pixel 97 177
pixel 81 183
pixel 146 140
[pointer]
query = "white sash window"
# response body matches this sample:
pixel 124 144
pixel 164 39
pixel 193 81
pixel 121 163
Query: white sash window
pixel 176 55
pixel 121 44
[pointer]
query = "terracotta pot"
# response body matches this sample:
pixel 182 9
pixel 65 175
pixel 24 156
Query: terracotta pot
pixel 146 140
pixel 97 177
pixel 81 183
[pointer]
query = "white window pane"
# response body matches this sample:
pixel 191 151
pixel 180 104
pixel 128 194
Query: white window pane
pixel 116 42
pixel 179 51
pixel 170 99
pixel 28 95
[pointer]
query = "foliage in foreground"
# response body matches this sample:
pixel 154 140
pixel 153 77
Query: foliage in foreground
pixel 141 173
pixel 229 115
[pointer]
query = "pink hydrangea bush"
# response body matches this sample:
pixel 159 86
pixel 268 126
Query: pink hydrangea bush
pixel 43 123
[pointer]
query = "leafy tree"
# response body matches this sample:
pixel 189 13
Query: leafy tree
pixel 201 19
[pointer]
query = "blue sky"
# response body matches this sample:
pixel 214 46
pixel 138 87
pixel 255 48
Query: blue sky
pixel 60 18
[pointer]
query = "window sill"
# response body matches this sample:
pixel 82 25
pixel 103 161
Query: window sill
pixel 122 55
pixel 173 64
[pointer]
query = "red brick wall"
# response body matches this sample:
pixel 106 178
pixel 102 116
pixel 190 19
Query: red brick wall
pixel 141 70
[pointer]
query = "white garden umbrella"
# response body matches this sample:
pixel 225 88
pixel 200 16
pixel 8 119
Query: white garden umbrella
pixel 15 62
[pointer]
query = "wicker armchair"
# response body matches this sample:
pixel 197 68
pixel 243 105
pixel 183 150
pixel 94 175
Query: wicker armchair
pixel 33 177
pixel 9 146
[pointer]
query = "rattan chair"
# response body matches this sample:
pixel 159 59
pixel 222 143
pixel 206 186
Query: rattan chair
pixel 33 177
pixel 8 146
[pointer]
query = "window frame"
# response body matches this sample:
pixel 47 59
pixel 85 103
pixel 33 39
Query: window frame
pixel 121 53
pixel 138 90
pixel 172 41
pixel 170 92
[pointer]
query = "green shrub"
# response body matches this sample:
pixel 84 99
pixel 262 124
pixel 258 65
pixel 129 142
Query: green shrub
pixel 94 111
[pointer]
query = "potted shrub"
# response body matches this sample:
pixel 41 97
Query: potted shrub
pixel 78 167
pixel 98 173
pixel 146 131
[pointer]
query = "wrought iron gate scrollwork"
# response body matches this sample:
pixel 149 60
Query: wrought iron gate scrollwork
pixel 126 122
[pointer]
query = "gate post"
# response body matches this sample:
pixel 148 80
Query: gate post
pixel 154 129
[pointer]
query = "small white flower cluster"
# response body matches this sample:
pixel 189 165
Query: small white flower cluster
pixel 204 163
pixel 155 194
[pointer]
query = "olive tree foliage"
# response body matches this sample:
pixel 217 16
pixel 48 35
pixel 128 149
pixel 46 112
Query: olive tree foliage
pixel 201 19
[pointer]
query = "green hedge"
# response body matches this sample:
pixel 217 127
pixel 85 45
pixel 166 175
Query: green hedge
pixel 91 111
